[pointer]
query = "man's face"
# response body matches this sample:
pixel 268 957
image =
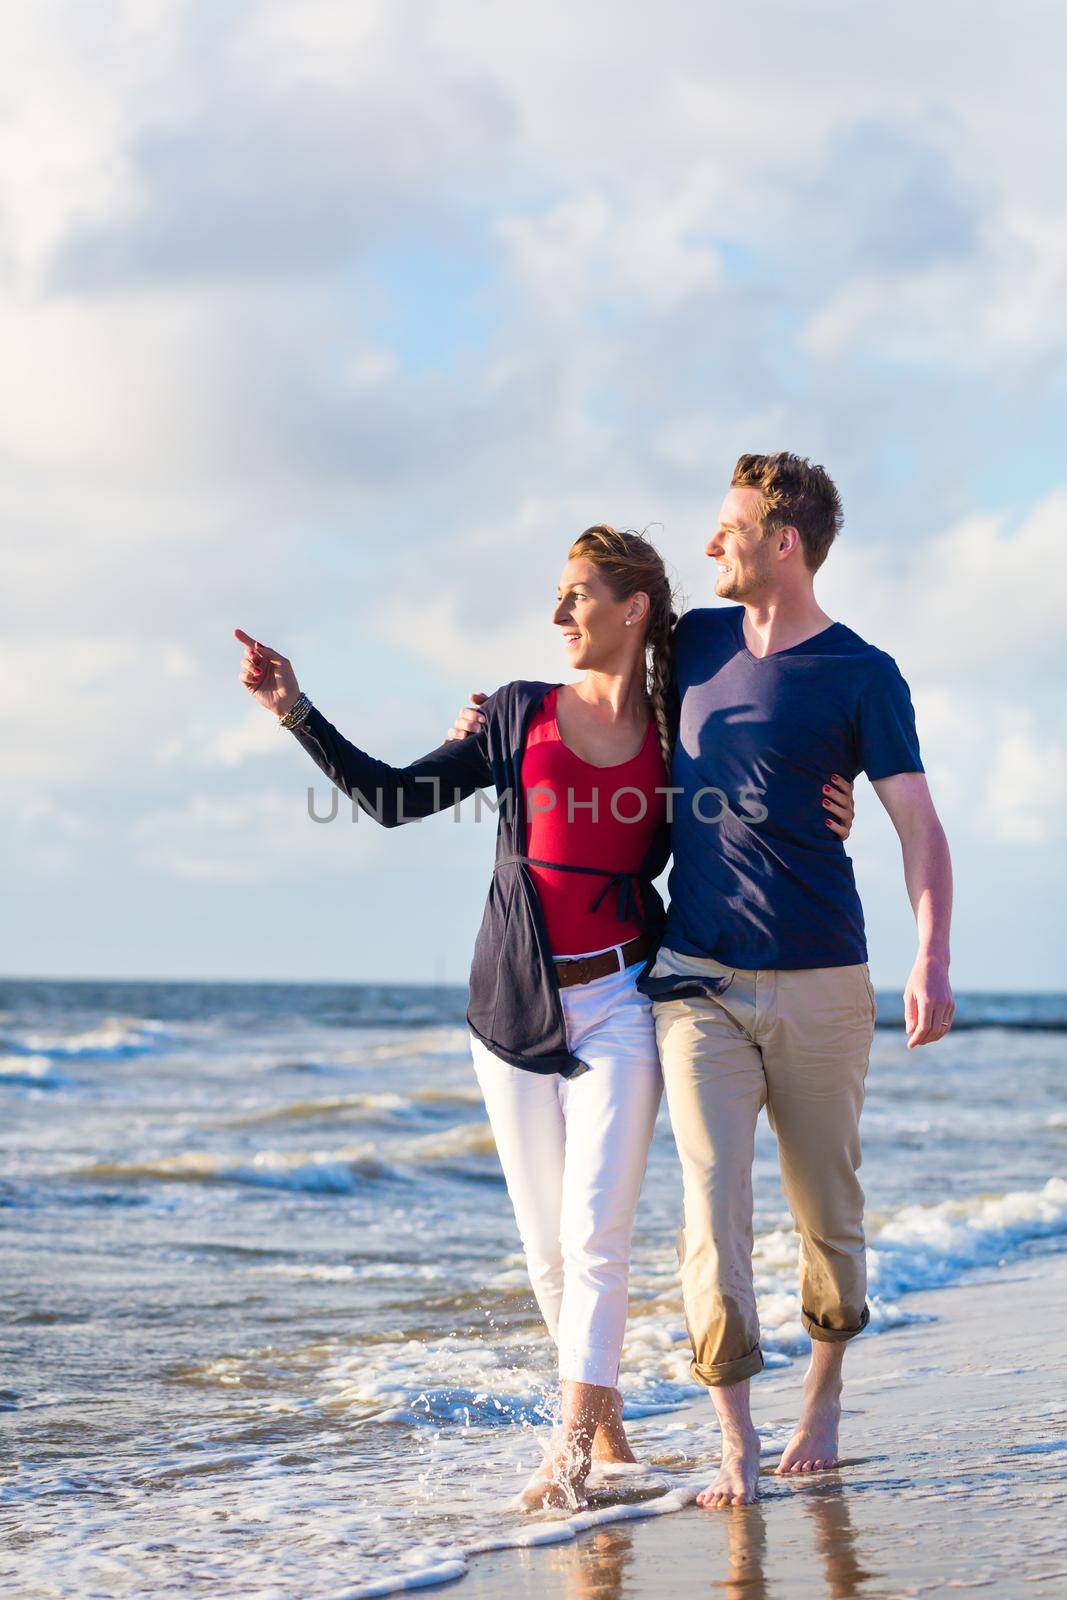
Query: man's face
pixel 744 559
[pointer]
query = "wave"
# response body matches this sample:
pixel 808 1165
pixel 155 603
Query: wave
pixel 115 1037
pixel 410 1047
pixel 383 1102
pixel 336 1173
pixel 31 1071
pixel 350 1271
pixel 916 1247
pixel 463 1381
pixel 455 1096
pixel 302 1110
pixel 924 1247
pixel 438 1041
pixel 436 1565
pixel 342 1171
pixel 470 1139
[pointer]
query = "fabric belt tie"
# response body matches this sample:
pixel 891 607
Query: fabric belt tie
pixel 587 968
pixel 626 905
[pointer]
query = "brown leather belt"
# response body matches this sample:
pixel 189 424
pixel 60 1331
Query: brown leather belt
pixel 586 968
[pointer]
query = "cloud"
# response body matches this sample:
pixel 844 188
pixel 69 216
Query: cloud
pixel 77 81
pixel 259 837
pixel 982 596
pixel 585 257
pixel 889 200
pixel 338 322
pixel 1026 797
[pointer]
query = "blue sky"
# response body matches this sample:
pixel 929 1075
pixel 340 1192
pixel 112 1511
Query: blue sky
pixel 337 323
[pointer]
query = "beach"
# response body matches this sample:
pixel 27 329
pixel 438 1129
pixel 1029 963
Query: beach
pixel 266 1328
pixel 954 1476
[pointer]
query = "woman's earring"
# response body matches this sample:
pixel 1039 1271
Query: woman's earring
pixel 628 621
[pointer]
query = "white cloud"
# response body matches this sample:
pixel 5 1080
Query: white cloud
pixel 256 734
pixel 214 408
pixel 1026 795
pixel 986 594
pixel 1002 305
pixel 585 255
pixel 264 836
pixel 326 42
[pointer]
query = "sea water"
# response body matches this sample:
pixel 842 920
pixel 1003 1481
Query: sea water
pixel 264 1323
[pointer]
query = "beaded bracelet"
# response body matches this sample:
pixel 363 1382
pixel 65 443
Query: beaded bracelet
pixel 297 712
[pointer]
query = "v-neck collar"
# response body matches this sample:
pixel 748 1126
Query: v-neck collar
pixel 773 654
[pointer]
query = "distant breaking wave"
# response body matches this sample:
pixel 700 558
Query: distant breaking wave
pixel 341 1171
pixel 114 1037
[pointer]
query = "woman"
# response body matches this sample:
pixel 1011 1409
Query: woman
pixel 563 1043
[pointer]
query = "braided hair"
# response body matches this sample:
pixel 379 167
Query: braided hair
pixel 629 563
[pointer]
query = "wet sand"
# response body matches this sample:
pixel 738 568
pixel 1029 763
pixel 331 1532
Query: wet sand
pixel 955 1476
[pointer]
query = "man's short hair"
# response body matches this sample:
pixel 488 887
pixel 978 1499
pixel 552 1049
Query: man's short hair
pixel 794 493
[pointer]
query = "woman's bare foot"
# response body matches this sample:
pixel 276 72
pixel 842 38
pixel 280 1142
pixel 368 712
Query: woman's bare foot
pixel 610 1444
pixel 560 1483
pixel 813 1447
pixel 737 1483
pixel 553 1488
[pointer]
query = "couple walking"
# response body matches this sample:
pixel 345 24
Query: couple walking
pixel 727 739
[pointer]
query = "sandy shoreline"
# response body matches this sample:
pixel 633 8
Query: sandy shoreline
pixel 955 1443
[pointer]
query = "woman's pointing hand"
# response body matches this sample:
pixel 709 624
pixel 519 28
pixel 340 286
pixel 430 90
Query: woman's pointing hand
pixel 267 675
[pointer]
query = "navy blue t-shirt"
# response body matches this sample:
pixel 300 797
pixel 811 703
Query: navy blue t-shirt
pixel 763 882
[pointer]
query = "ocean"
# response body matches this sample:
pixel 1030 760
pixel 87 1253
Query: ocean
pixel 264 1324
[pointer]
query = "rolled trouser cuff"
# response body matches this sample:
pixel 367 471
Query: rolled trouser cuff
pixel 721 1374
pixel 590 1365
pixel 834 1335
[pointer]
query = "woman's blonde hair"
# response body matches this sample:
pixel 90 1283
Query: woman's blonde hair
pixel 629 563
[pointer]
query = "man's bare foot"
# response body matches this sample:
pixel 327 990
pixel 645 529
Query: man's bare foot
pixel 737 1483
pixel 610 1444
pixel 813 1448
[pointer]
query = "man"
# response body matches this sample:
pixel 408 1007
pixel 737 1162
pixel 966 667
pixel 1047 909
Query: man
pixel 761 990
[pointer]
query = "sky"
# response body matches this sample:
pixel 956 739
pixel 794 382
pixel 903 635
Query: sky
pixel 336 323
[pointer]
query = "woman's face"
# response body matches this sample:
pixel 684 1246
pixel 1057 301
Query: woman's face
pixel 591 620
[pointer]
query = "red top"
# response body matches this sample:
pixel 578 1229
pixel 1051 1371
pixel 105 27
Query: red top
pixel 572 832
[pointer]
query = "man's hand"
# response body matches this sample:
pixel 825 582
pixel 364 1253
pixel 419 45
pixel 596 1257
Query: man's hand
pixel 470 718
pixel 838 799
pixel 928 1004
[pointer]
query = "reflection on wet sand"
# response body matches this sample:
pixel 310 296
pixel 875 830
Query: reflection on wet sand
pixel 746 1529
pixel 599 1564
pixel 611 1562
pixel 835 1540
pixel 959 1486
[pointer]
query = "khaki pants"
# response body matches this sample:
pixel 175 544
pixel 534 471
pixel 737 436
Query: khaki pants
pixel 798 1042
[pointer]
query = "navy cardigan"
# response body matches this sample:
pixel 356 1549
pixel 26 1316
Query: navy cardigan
pixel 514 1006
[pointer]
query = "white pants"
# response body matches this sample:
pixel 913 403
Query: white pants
pixel 574 1153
